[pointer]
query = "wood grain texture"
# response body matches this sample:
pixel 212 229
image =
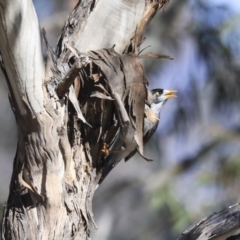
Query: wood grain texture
pixel 222 225
pixel 21 50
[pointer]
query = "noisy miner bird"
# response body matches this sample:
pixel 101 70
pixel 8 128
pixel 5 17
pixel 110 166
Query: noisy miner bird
pixel 156 99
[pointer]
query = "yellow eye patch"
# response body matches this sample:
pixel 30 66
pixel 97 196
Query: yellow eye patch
pixel 157 94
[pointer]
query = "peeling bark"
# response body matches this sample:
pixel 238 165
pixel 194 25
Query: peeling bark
pixel 69 110
pixel 15 38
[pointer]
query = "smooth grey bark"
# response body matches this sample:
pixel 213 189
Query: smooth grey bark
pixel 57 103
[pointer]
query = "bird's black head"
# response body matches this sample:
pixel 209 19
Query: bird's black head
pixel 157 92
pixel 161 95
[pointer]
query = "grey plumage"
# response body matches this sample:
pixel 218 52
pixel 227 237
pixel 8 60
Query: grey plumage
pixel 156 99
pixel 125 145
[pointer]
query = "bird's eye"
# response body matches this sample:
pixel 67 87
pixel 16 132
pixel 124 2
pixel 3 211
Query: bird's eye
pixel 157 94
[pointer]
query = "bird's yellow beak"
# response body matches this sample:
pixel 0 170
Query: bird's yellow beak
pixel 170 94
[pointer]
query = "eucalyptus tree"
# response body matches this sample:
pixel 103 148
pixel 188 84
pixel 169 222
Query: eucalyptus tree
pixel 69 104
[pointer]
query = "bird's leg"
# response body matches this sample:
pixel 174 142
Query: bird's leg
pixel 105 150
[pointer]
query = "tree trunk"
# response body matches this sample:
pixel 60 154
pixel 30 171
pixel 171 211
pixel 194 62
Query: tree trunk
pixel 66 106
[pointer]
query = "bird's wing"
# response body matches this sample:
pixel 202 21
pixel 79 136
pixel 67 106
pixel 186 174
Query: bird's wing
pixel 130 155
pixel 146 136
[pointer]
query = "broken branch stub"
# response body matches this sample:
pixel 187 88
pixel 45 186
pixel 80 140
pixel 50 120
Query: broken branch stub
pixel 218 226
pixel 63 86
